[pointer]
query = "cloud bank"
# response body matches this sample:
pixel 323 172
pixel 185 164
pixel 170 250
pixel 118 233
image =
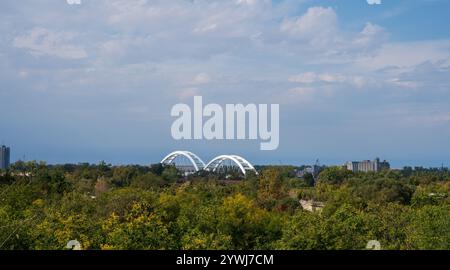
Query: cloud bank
pixel 124 63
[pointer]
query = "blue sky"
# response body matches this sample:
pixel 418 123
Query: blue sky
pixel 96 81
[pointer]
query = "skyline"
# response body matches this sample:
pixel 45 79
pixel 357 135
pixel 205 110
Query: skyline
pixel 316 162
pixel 96 80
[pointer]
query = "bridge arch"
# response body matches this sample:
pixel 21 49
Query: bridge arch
pixel 241 162
pixel 193 158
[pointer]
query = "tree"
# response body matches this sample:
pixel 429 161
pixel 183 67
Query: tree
pixel 195 239
pixel 170 174
pixel 387 224
pixel 123 176
pixel 148 181
pixel 304 231
pixel 157 169
pixel 382 190
pixel 248 226
pixel 52 204
pixel 343 229
pixel 429 228
pixel 101 186
pixel 271 188
pixel 334 175
pixel 309 179
pixel 141 229
pixel 52 182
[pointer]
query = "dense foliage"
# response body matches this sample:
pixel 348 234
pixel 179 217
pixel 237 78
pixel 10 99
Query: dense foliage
pixel 137 207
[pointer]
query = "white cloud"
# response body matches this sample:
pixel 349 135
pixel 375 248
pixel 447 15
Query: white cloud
pixel 431 75
pixel 329 78
pixel 308 77
pixel 318 25
pixel 247 2
pixel 247 42
pixel 374 2
pixel 44 42
pixel 187 93
pixel 23 74
pixel 296 95
pixel 202 78
pixel 228 51
pixel 404 55
pixel 403 83
pixel 371 36
pixel 73 2
pixel 205 28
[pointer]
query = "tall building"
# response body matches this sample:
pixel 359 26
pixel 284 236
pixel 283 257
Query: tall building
pixel 4 157
pixel 368 165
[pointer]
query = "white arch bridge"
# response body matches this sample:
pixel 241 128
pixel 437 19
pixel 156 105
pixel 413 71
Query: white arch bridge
pixel 198 164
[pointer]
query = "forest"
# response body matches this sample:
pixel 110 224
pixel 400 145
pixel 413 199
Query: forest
pixel 105 207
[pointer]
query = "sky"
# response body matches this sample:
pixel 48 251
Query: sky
pixel 92 80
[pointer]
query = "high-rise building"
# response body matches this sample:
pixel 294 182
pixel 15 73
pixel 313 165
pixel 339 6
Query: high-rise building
pixel 368 165
pixel 4 157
